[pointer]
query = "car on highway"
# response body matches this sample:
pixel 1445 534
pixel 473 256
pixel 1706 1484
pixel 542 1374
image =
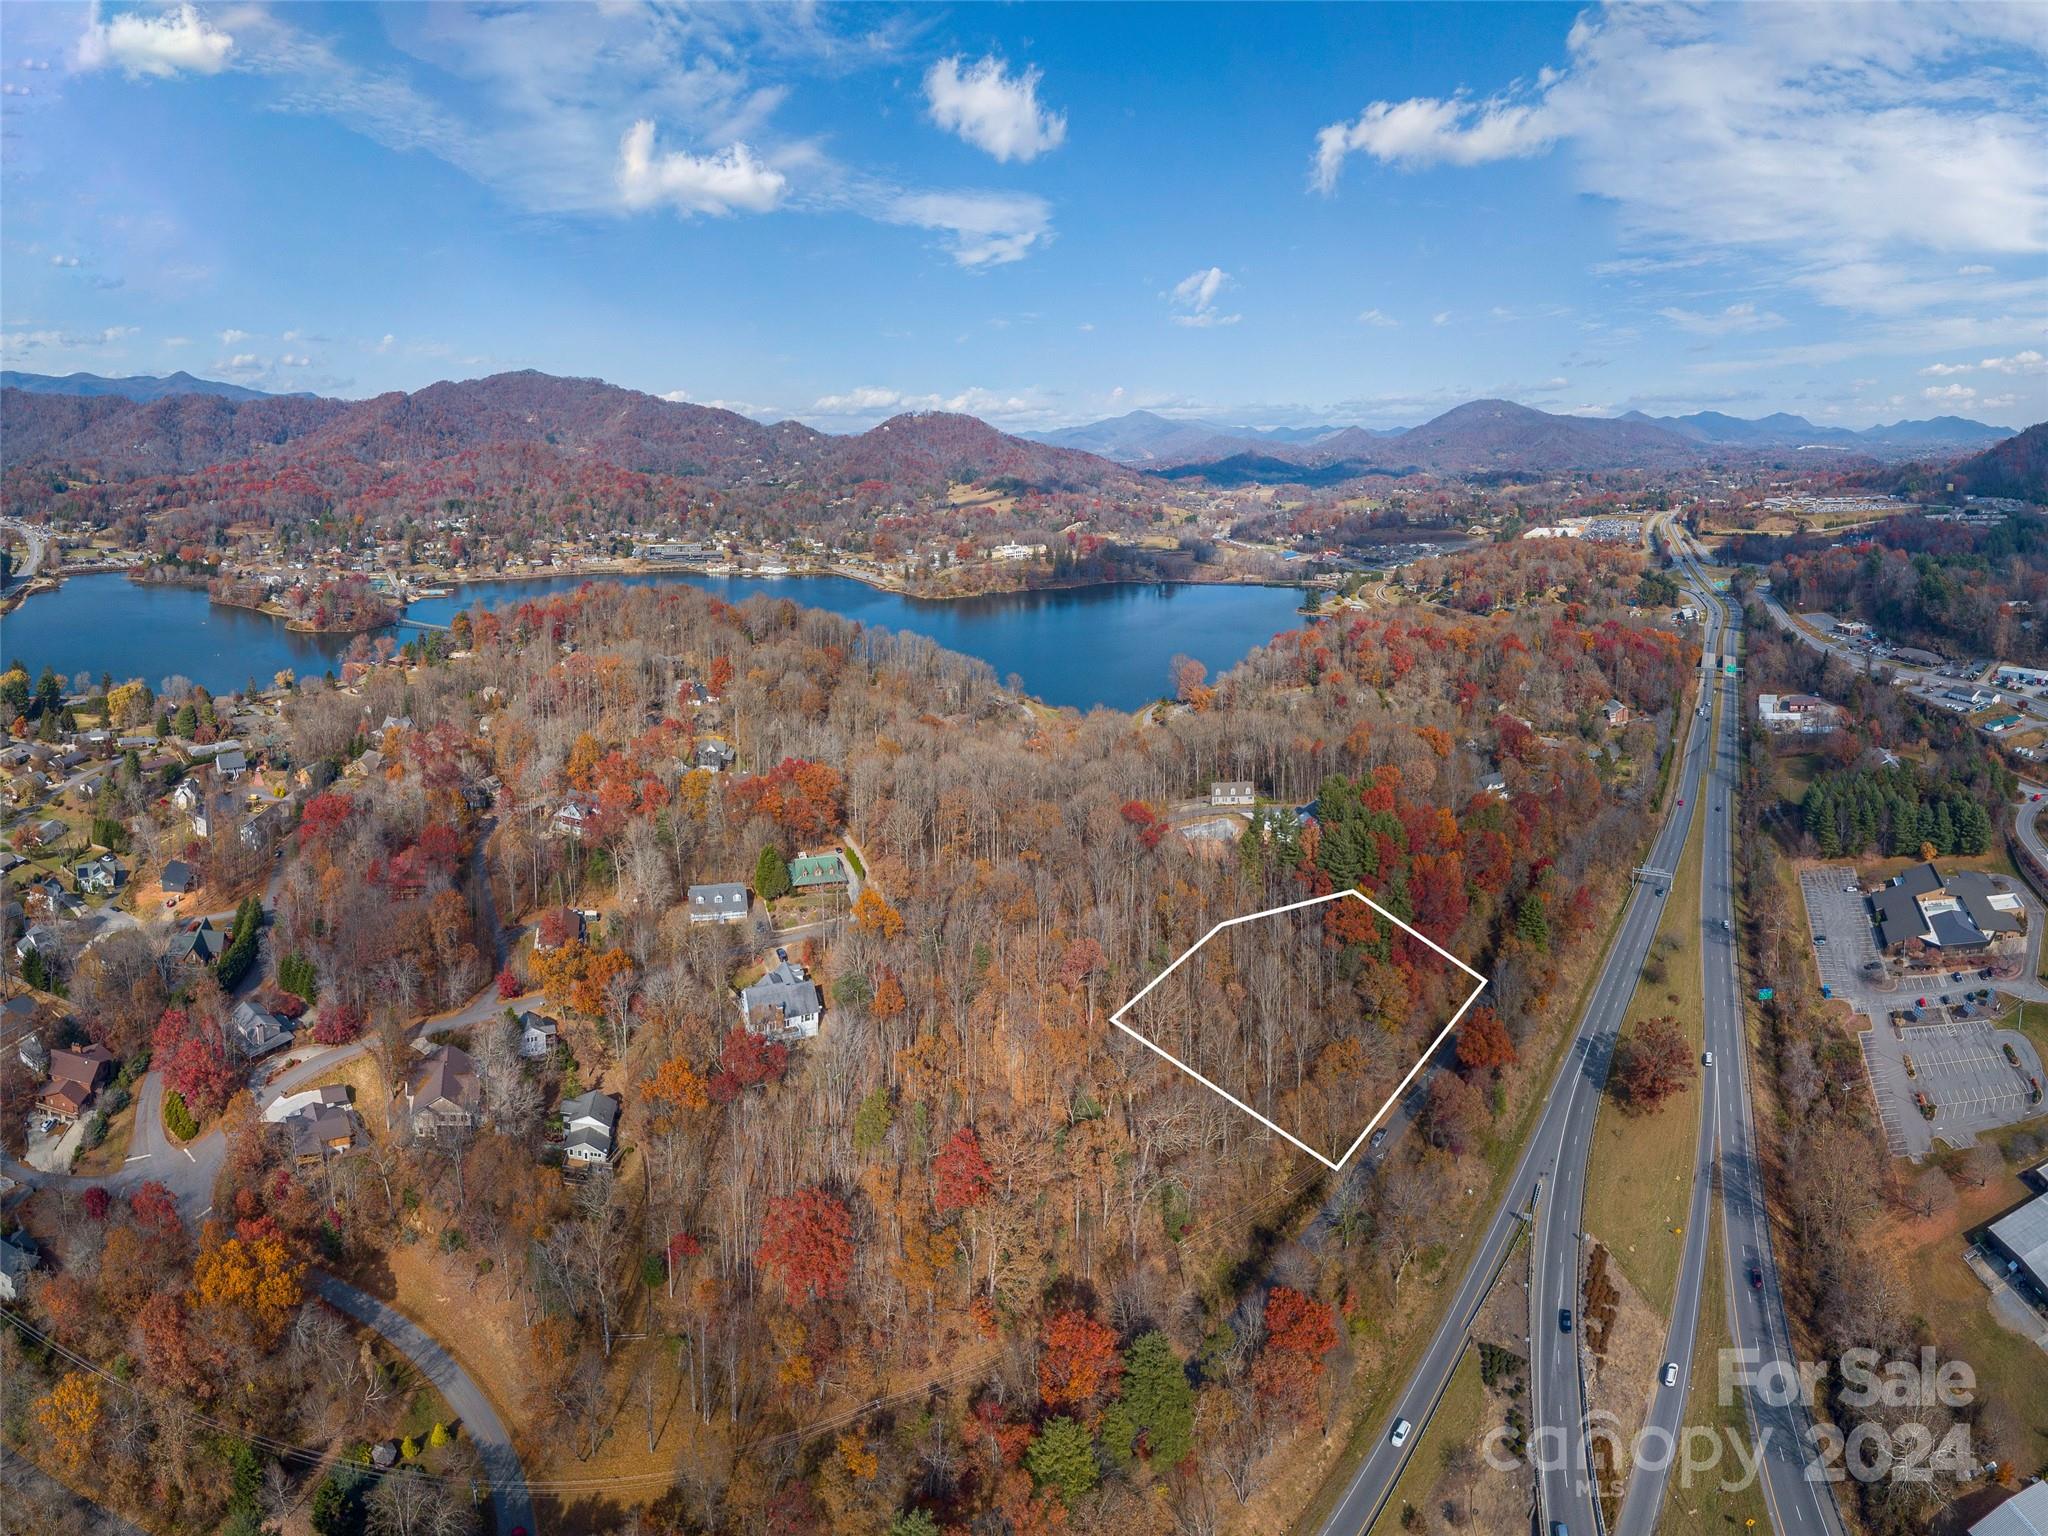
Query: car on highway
pixel 1670 1373
pixel 1726 926
pixel 1756 1277
pixel 1564 1319
pixel 1707 1060
pixel 1400 1434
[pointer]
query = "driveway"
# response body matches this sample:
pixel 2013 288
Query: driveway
pixel 511 1504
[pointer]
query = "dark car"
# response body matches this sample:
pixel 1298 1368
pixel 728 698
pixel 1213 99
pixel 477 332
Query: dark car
pixel 1756 1277
pixel 1564 1319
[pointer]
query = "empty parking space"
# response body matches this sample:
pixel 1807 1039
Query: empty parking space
pixel 1844 946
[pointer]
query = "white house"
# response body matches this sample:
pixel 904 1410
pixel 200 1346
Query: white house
pixel 725 902
pixel 1231 792
pixel 590 1123
pixel 785 1002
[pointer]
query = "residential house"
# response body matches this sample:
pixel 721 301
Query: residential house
pixel 368 766
pixel 1616 714
pixel 188 795
pixel 815 871
pixel 725 902
pixel 31 1052
pixel 19 1257
pixel 76 1077
pixel 785 1002
pixel 320 1132
pixel 101 876
pixel 573 815
pixel 590 1124
pixel 713 756
pixel 445 1095
pixel 178 878
pixel 230 762
pixel 199 945
pixel 537 1035
pixel 1231 792
pixel 257 1031
pixel 559 926
pixel 46 833
pixel 1959 913
pixel 1494 784
pixel 42 940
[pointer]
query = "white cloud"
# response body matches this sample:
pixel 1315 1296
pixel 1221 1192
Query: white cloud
pixel 992 109
pixel 865 400
pixel 162 45
pixel 732 180
pixel 1426 131
pixel 1974 269
pixel 983 229
pixel 1193 299
pixel 2027 362
pixel 1734 320
pixel 290 361
pixel 230 336
pixel 1441 317
pixel 384 345
pixel 1817 135
pixel 1950 394
pixel 1377 317
pixel 61 260
pixel 872 402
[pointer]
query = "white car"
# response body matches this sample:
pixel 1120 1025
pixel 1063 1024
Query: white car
pixel 1707 1060
pixel 1400 1434
pixel 1670 1374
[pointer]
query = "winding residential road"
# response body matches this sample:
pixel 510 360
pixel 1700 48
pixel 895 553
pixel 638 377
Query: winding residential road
pixel 511 1503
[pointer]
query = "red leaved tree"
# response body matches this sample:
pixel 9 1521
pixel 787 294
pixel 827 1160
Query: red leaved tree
pixel 1077 1360
pixel 807 1239
pixel 963 1173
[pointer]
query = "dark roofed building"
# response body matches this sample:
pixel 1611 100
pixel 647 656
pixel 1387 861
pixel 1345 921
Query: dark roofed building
pixel 1963 911
pixel 446 1095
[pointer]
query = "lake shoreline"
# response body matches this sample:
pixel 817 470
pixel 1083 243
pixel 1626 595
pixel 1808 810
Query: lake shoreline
pixel 1107 644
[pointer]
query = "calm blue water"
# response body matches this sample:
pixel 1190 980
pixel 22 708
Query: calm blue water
pixel 1097 645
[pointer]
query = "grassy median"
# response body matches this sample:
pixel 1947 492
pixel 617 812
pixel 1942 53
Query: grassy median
pixel 1455 1423
pixel 1639 1168
pixel 1705 1506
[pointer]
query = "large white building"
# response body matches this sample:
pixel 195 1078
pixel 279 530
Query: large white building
pixel 1797 713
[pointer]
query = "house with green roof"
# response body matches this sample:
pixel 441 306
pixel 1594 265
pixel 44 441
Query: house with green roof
pixel 814 871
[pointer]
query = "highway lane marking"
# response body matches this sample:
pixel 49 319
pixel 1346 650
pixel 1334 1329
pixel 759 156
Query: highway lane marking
pixel 140 1157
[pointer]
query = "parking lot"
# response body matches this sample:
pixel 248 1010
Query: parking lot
pixel 1963 1070
pixel 1838 919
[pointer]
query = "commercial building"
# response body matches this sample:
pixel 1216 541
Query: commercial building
pixel 1955 913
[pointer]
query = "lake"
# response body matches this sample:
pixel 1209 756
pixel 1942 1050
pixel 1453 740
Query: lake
pixel 1106 645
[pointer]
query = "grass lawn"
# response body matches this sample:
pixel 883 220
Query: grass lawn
pixel 111 1153
pixel 1456 1422
pixel 1953 1306
pixel 2033 1023
pixel 1706 1506
pixel 1640 1167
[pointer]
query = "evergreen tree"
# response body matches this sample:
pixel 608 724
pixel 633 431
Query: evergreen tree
pixel 1944 835
pixel 771 875
pixel 1531 924
pixel 1062 1457
pixel 1157 1404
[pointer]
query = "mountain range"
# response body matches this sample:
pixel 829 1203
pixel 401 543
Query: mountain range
pixel 136 387
pixel 142 426
pixel 573 420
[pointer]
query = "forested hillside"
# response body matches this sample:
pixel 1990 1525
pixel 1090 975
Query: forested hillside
pixel 1085 1292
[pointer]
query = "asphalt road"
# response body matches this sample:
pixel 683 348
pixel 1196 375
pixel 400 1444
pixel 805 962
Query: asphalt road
pixel 1566 1123
pixel 511 1504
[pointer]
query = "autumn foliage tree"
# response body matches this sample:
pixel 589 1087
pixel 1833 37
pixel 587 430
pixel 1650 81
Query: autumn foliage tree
pixel 1300 1331
pixel 1651 1062
pixel 807 1240
pixel 962 1172
pixel 1078 1361
pixel 1483 1043
pixel 255 1279
pixel 69 1415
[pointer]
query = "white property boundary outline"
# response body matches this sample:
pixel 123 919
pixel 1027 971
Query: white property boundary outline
pixel 1401 1087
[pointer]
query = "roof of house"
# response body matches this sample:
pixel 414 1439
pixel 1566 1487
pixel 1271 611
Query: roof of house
pixel 795 997
pixel 202 942
pixel 817 869
pixel 177 876
pixel 80 1064
pixel 601 1107
pixel 315 1128
pixel 448 1077
pixel 725 896
pixel 18 1254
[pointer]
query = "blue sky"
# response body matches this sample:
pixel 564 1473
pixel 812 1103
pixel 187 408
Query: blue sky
pixel 1045 214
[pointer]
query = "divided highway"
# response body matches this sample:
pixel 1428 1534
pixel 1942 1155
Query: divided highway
pixel 1559 1142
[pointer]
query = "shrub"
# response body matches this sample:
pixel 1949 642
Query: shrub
pixel 177 1118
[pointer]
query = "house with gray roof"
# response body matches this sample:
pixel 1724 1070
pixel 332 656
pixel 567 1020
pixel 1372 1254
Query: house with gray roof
pixel 321 1131
pixel 445 1095
pixel 784 1003
pixel 725 902
pixel 257 1031
pixel 590 1125
pixel 19 1257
